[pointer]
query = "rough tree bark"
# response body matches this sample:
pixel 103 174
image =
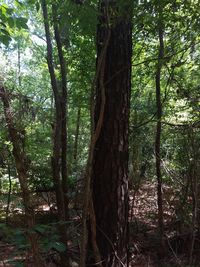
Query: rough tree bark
pixel 159 130
pixel 110 159
pixel 88 208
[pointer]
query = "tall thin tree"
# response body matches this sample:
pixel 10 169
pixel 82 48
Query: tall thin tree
pixel 59 157
pixel 159 125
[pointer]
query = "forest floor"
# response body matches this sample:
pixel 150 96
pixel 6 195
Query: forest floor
pixel 145 248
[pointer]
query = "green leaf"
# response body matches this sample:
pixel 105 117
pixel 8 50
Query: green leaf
pixel 5 32
pixel 21 23
pixel 37 5
pixel 17 3
pixel 40 228
pixel 11 22
pixel 5 39
pixel 3 24
pixel 31 2
pixel 60 247
pixel 4 9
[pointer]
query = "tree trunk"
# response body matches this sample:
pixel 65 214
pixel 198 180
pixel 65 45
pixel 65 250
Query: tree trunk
pixel 59 140
pixel 110 159
pixel 75 151
pixel 158 131
pixel 17 141
pixel 9 193
pixel 19 63
pixel 63 103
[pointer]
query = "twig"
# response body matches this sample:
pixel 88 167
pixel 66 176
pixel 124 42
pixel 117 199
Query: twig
pixel 110 242
pixel 177 259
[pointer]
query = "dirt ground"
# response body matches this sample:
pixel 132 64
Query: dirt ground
pixel 144 249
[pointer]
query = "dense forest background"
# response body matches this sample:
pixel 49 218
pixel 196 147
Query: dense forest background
pixel 100 133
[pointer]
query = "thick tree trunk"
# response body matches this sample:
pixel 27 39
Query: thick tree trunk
pixel 110 159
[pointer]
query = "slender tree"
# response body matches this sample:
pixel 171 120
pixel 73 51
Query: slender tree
pixel 75 152
pixel 63 104
pixel 159 129
pixel 59 157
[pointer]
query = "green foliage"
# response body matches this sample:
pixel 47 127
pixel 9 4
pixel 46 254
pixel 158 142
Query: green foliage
pixel 49 238
pixel 60 247
pixel 9 20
